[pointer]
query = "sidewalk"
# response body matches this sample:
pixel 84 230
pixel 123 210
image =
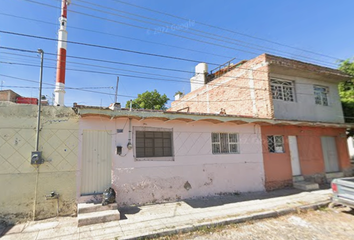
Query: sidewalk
pixel 162 219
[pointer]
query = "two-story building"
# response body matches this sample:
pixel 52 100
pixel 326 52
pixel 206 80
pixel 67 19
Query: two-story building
pixel 286 91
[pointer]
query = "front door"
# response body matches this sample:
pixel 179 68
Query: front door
pixel 294 155
pixel 330 156
pixel 96 161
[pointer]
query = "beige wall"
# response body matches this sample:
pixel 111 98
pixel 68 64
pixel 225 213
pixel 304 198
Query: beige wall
pixel 18 178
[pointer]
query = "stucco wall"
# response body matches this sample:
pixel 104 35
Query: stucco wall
pixel 277 166
pixel 138 182
pixel 304 107
pixel 18 178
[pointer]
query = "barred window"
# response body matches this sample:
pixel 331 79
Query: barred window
pixel 153 144
pixel 275 144
pixel 225 143
pixel 321 95
pixel 282 90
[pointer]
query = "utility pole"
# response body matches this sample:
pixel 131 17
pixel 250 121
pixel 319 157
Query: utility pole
pixel 39 99
pixel 116 96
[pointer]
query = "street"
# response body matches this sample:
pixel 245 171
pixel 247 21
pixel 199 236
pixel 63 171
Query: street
pixel 326 223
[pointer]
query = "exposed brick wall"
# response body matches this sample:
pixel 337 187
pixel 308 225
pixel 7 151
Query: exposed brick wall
pixel 294 64
pixel 242 91
pixel 8 95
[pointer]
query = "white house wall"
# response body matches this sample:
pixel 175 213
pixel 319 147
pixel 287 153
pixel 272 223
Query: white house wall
pixel 194 172
pixel 304 107
pixel 351 147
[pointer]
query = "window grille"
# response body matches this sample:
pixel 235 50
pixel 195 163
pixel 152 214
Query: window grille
pixel 225 143
pixel 321 95
pixel 153 144
pixel 282 90
pixel 275 144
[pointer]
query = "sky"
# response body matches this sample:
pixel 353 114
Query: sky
pixel 156 44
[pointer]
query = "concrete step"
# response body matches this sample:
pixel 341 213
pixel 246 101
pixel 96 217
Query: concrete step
pixel 333 175
pixel 298 178
pixel 95 207
pixel 306 185
pixel 97 217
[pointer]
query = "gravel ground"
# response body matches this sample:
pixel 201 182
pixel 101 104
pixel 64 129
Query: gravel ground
pixel 321 224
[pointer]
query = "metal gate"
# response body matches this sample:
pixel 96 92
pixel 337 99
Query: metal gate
pixel 330 155
pixel 96 161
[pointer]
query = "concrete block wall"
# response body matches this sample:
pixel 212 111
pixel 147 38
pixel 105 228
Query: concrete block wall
pixel 23 187
pixel 242 91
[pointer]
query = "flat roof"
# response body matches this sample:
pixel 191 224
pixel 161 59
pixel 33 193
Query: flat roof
pixel 92 111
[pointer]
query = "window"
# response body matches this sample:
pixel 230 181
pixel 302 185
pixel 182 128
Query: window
pixel 275 144
pixel 282 90
pixel 153 144
pixel 224 143
pixel 321 95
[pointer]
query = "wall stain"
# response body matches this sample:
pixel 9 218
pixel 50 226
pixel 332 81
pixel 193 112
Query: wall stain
pixel 187 186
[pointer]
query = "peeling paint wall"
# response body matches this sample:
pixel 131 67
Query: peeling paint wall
pixel 194 172
pixel 58 142
pixel 278 171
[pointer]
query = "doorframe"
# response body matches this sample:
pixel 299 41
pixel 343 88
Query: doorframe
pixel 337 153
pixel 84 198
pixel 291 154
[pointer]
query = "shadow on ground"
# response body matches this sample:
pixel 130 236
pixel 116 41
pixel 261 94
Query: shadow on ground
pixel 4 228
pixel 128 211
pixel 238 197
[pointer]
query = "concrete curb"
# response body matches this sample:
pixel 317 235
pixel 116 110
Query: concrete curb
pixel 236 219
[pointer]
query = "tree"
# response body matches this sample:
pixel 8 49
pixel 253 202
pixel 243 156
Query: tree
pixel 346 90
pixel 346 93
pixel 149 100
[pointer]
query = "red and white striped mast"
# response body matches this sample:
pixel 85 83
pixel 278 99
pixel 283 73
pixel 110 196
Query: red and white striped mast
pixel 61 60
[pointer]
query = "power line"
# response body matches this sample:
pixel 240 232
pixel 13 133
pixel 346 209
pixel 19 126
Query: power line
pixel 159 79
pixel 111 94
pixel 208 35
pixel 140 27
pixel 224 29
pixel 105 47
pixel 136 26
pixel 102 60
pixel 200 82
pixel 99 66
pixel 81 88
pixel 117 35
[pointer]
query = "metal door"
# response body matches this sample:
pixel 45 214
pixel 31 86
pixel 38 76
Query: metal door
pixel 330 156
pixel 294 155
pixel 96 162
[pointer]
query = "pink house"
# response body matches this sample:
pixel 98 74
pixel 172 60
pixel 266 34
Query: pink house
pixel 257 125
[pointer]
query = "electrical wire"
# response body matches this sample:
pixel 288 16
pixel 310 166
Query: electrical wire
pixel 206 34
pixel 200 82
pixel 117 35
pixel 224 29
pixel 111 94
pixel 104 47
pixel 136 26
